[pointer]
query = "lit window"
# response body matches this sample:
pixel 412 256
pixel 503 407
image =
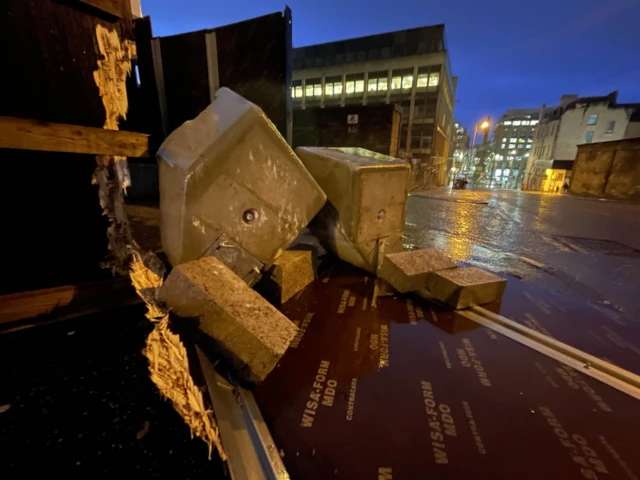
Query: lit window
pixel 434 78
pixel 521 140
pixel 517 123
pixel 382 84
pixel 529 140
pixel 359 86
pixel 328 89
pixel 534 122
pixel 407 81
pixel 528 145
pixel 520 145
pixel 588 137
pixel 317 90
pixel 513 152
pixel 309 91
pixel 526 155
pixel 298 93
pixel 610 127
pixel 525 122
pixel 503 145
pixel 513 140
pixel 351 87
pixel 373 85
pixel 423 79
pixel 593 119
pixel 507 123
pixel 512 145
pixel 498 172
pixel 396 83
pixel 518 158
pixel 509 158
pixel 504 140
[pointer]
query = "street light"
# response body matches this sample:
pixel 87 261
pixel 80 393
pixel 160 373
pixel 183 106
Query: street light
pixel 483 126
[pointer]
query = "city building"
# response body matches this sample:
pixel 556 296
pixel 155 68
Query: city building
pixel 576 121
pixel 461 142
pixel 409 67
pixel 513 137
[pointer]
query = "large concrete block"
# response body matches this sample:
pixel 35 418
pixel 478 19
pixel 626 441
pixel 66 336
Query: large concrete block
pixel 465 287
pixel 367 194
pixel 408 271
pixel 230 172
pixel 248 331
pixel 290 273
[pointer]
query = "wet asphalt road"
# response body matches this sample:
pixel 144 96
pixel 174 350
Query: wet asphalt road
pixel 567 244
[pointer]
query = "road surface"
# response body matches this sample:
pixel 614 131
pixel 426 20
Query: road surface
pixel 568 244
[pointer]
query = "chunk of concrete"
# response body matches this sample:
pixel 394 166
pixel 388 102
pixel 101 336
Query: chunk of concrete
pixel 408 271
pixel 465 287
pixel 367 195
pixel 229 171
pixel 249 332
pixel 290 273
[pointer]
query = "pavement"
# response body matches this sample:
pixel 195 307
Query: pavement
pixel 581 246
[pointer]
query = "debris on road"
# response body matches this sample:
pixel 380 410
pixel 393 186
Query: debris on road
pixel 367 195
pixel 228 171
pixel 466 287
pixel 245 329
pixel 408 271
pixel 290 273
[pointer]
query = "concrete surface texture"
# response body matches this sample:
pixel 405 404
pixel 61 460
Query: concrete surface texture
pixel 247 331
pixel 582 246
pixel 407 271
pixel 366 194
pixel 465 287
pixel 290 273
pixel 217 176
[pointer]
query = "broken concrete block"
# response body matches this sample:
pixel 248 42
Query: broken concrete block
pixel 228 171
pixel 465 287
pixel 290 273
pixel 408 271
pixel 367 195
pixel 249 332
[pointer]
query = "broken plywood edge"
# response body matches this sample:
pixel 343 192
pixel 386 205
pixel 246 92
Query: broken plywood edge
pixel 112 174
pixel 167 355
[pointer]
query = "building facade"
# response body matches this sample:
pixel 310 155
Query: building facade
pixel 409 67
pixel 513 138
pixel 576 121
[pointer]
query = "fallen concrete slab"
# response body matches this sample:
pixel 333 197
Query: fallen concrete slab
pixel 465 287
pixel 408 271
pixel 228 171
pixel 367 194
pixel 248 331
pixel 289 274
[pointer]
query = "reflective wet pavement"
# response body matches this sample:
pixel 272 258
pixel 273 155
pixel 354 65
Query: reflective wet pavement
pixel 408 390
pixel 503 230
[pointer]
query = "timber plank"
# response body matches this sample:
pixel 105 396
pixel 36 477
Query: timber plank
pixel 24 134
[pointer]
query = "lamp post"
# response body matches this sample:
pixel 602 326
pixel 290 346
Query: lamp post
pixel 484 126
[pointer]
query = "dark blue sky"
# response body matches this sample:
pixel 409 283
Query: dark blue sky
pixel 507 53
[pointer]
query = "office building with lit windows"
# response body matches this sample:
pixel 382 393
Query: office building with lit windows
pixel 409 67
pixel 513 138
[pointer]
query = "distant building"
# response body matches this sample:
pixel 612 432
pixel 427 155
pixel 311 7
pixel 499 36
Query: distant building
pixel 409 67
pixel 513 137
pixel 576 121
pixel 461 142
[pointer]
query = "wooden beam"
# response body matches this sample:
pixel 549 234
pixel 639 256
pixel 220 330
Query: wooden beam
pixel 23 134
pixel 113 7
pixel 28 309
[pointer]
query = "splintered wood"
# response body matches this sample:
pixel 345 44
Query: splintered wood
pixel 168 361
pixel 112 174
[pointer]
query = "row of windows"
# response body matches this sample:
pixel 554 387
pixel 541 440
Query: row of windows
pixel 374 85
pixel 518 140
pixel 517 123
